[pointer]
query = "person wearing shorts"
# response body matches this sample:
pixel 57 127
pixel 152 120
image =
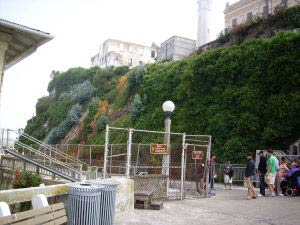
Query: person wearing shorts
pixel 228 173
pixel 249 175
pixel 271 171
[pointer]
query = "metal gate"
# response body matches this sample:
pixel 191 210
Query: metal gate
pixel 163 169
pixel 197 152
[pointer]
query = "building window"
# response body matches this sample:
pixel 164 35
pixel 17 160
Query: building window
pixel 283 2
pixel 295 150
pixel 234 22
pixel 140 63
pixel 266 10
pixel 249 16
pixel 152 54
pixel 122 47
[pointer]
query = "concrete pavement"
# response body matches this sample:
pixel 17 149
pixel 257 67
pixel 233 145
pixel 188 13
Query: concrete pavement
pixel 228 207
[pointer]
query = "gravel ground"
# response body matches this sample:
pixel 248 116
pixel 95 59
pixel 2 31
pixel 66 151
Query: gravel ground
pixel 228 207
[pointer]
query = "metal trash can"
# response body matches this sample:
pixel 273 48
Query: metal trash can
pixel 84 203
pixel 108 200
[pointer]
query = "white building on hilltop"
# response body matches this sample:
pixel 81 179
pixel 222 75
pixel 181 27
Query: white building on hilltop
pixel 120 53
pixel 176 48
pixel 244 10
pixel 204 22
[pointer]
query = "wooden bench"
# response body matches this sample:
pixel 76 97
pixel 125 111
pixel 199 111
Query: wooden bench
pixel 50 215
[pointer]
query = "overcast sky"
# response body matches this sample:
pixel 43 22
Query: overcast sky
pixel 79 27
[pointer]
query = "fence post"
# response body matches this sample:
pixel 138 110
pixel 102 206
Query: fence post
pixel 208 164
pixel 137 160
pixel 80 173
pixel 2 140
pixel 78 146
pixel 182 167
pixel 110 160
pixel 129 152
pixel 106 151
pixel 90 155
pixel 7 136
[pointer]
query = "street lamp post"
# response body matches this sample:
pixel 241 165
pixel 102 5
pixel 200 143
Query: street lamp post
pixel 168 108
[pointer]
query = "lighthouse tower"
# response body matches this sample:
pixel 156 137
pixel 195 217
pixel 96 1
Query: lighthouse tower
pixel 204 22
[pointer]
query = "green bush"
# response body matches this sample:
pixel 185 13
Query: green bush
pixel 26 179
pixel 101 123
pixel 59 132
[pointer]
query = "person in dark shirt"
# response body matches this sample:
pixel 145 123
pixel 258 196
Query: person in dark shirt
pixel 261 170
pixel 212 174
pixel 249 175
pixel 200 178
pixel 228 174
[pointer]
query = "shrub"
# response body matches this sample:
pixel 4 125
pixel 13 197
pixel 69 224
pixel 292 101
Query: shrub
pixel 64 127
pixel 101 123
pixel 136 108
pixel 26 179
pixel 82 92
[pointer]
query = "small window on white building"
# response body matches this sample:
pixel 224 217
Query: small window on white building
pixel 152 54
pixel 266 10
pixel 234 22
pixel 141 63
pixel 122 46
pixel 249 16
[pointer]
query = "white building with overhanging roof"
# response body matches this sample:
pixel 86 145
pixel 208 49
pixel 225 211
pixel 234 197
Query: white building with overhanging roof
pixel 176 48
pixel 17 42
pixel 121 53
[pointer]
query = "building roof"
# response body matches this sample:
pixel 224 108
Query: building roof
pixel 126 42
pixel 175 37
pixel 240 3
pixel 24 41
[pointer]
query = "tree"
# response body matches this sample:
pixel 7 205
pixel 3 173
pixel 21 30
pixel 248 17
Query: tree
pixel 136 108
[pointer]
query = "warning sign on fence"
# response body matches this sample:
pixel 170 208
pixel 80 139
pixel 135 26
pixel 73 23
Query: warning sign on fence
pixel 159 149
pixel 197 154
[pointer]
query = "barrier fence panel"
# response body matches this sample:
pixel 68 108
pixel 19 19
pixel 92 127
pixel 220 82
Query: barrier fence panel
pixel 198 148
pixel 115 155
pixel 150 158
pixel 166 170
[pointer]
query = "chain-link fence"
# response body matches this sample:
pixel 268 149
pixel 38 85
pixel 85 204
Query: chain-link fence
pixel 159 162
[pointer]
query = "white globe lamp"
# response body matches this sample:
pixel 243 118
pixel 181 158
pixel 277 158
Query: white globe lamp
pixel 168 106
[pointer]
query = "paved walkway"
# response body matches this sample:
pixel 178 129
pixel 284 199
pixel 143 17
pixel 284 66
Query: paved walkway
pixel 228 207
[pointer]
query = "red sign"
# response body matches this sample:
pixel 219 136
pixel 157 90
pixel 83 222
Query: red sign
pixel 197 154
pixel 159 149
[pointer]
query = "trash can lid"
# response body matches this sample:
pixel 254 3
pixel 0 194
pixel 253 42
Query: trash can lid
pixel 111 183
pixel 85 187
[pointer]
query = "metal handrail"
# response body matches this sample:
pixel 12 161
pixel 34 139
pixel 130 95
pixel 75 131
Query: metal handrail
pixel 50 147
pixel 45 156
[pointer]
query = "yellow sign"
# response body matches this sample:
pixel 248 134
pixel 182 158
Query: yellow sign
pixel 159 149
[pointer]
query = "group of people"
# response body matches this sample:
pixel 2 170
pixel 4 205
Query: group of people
pixel 271 172
pixel 212 174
